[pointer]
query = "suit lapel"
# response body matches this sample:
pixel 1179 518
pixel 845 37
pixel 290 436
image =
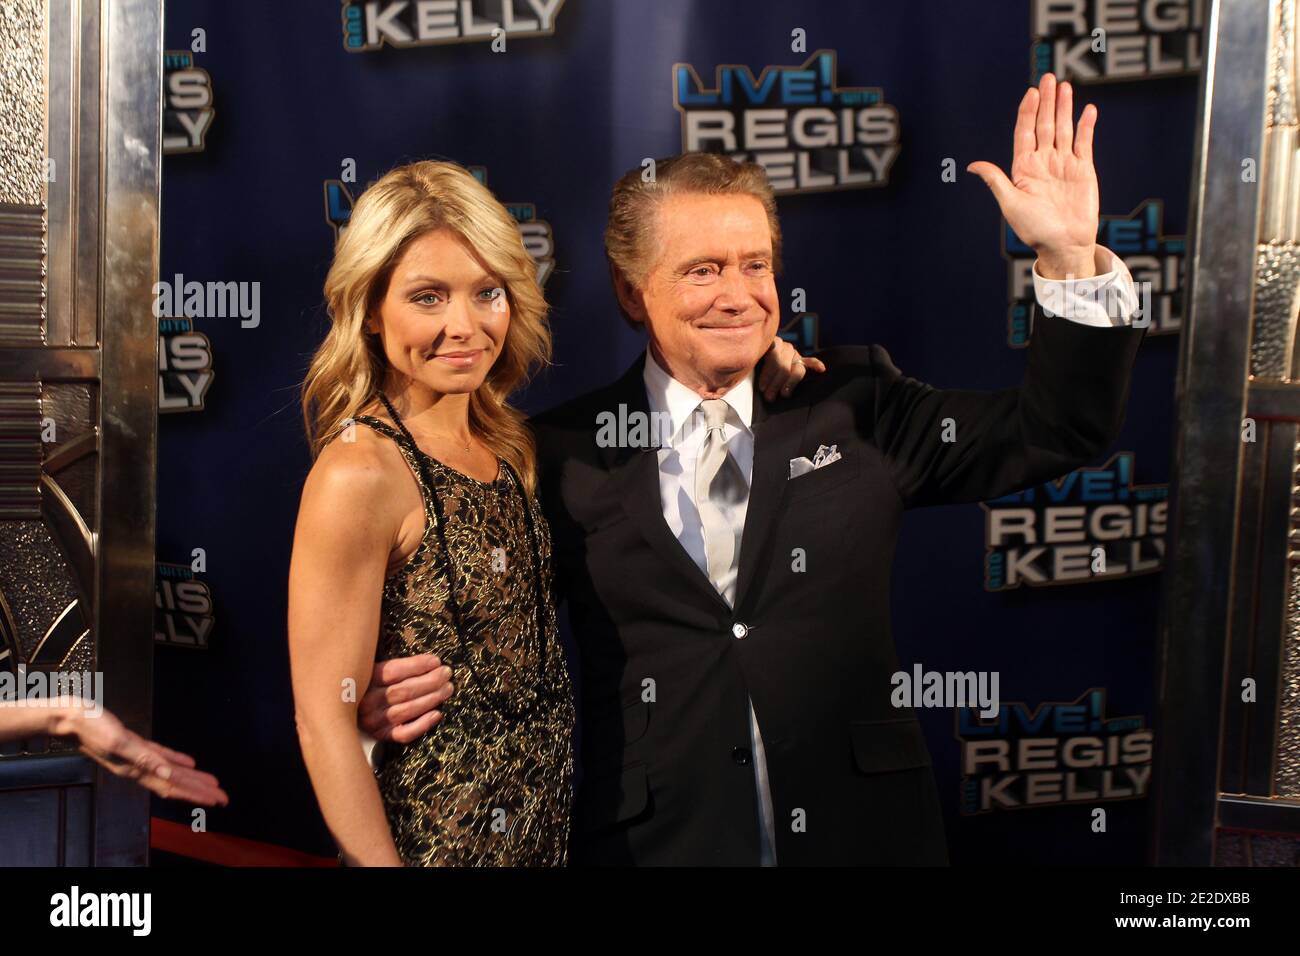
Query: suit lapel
pixel 634 473
pixel 778 433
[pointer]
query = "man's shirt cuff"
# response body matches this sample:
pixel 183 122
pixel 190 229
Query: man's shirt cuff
pixel 1107 299
pixel 371 748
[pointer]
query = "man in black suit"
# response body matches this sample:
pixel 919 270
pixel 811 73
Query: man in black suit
pixel 726 557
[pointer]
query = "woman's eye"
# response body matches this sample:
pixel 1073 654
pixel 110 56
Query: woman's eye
pixel 427 295
pixel 490 294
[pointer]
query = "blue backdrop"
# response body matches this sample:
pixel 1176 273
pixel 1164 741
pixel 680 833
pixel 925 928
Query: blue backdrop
pixel 915 264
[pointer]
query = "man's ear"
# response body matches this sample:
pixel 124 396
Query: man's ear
pixel 628 296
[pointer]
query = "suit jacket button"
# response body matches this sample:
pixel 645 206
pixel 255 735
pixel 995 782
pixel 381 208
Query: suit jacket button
pixel 740 630
pixel 740 755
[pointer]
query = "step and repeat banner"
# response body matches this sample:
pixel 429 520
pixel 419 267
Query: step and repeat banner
pixel 865 115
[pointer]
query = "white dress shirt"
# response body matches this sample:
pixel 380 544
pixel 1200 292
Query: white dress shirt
pixel 1080 300
pixel 1106 299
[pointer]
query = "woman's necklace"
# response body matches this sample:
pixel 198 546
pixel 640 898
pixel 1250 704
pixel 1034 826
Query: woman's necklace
pixel 454 441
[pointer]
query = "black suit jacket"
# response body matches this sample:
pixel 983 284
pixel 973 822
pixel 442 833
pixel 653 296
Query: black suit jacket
pixel 664 676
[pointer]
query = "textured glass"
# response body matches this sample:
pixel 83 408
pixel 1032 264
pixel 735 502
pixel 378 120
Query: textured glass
pixel 22 102
pixel 1286 783
pixel 1277 279
pixel 1281 104
pixel 34 578
pixel 1230 848
pixel 1266 850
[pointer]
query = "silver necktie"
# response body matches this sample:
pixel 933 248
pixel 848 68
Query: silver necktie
pixel 718 483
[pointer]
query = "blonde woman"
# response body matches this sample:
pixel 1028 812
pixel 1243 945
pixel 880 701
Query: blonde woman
pixel 437 318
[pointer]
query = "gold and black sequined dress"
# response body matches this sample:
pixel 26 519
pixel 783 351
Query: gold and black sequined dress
pixel 491 783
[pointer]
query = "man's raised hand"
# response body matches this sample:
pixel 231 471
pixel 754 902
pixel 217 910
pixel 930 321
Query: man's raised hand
pixel 1051 199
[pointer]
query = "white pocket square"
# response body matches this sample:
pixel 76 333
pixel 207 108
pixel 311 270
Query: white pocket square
pixel 826 454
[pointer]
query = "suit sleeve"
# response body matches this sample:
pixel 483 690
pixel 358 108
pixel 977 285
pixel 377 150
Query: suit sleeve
pixel 946 446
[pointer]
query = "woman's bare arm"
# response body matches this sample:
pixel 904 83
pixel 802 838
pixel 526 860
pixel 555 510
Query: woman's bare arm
pixel 19 721
pixel 347 526
pixel 104 739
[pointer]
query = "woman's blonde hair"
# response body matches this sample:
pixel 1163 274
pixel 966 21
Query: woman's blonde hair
pixel 349 368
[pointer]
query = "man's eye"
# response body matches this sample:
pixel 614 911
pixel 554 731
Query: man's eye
pixel 759 266
pixel 702 271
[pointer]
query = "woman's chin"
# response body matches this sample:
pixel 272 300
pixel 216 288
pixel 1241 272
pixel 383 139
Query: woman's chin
pixel 453 384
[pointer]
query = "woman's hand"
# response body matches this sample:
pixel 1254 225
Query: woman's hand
pixel 168 773
pixel 783 369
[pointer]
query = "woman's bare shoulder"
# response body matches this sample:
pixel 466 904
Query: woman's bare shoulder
pixel 358 469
